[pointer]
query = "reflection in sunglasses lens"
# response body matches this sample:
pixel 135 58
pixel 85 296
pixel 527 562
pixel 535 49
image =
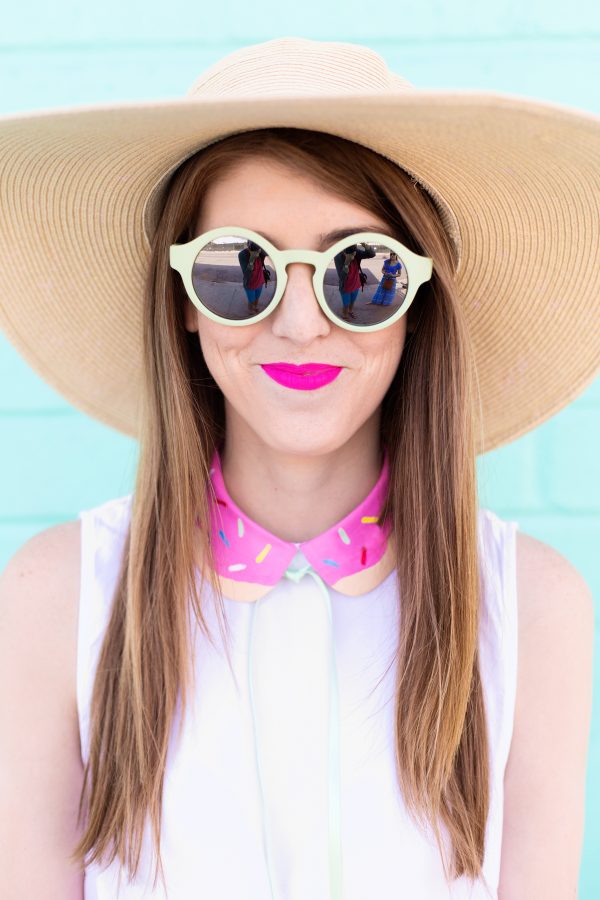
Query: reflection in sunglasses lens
pixel 365 284
pixel 234 277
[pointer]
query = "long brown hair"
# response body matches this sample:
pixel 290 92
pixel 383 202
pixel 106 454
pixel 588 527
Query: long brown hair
pixel 427 425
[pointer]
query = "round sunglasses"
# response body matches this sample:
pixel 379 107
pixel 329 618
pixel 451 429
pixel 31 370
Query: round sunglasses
pixel 363 282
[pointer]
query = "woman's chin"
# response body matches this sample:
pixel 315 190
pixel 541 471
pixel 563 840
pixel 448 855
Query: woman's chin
pixel 311 441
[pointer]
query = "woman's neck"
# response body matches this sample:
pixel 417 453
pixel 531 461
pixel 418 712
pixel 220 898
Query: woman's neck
pixel 298 497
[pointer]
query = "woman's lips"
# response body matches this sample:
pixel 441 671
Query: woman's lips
pixel 308 377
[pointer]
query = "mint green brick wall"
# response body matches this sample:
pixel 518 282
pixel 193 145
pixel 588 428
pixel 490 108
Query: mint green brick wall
pixel 56 461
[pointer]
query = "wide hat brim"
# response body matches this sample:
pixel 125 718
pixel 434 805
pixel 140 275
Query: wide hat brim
pixel 517 181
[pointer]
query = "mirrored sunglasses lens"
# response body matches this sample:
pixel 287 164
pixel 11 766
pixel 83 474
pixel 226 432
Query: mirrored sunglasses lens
pixel 234 277
pixel 365 284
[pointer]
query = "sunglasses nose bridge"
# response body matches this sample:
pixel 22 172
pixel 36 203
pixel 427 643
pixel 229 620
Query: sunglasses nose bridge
pixel 307 257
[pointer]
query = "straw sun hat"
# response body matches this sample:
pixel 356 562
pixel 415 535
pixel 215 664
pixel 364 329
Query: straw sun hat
pixel 517 184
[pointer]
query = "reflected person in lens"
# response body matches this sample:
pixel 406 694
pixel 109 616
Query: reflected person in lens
pixel 252 263
pixel 348 268
pixel 386 289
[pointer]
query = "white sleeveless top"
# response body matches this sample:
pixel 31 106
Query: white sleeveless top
pixel 213 812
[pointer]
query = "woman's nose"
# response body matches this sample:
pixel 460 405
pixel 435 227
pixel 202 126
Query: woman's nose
pixel 298 316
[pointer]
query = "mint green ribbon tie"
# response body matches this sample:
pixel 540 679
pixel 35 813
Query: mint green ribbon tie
pixel 334 837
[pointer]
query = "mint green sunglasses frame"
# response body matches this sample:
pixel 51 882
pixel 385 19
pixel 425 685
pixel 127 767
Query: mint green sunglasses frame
pixel 418 268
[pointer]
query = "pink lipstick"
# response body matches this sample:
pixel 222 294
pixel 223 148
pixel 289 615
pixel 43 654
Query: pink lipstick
pixel 301 378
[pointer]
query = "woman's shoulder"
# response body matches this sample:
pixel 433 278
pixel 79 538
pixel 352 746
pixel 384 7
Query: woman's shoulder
pixel 552 711
pixel 39 610
pixel 534 557
pixel 40 589
pixel 39 586
pixel 39 599
pixel 542 575
pixel 538 572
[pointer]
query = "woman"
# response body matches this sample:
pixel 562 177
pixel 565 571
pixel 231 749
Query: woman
pixel 295 663
pixel 251 260
pixel 386 289
pixel 347 264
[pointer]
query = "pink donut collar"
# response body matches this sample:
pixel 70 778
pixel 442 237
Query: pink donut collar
pixel 353 556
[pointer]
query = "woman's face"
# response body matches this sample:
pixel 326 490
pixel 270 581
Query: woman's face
pixel 293 212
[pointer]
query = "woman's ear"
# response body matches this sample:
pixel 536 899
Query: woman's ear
pixel 190 315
